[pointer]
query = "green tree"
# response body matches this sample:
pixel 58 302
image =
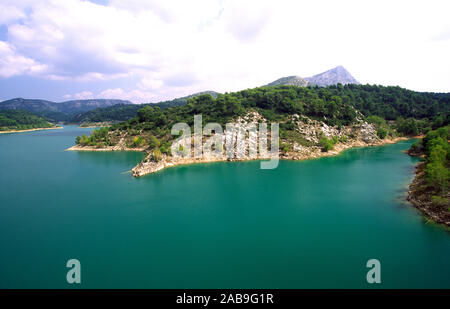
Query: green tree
pixel 156 155
pixel 154 142
pixel 326 144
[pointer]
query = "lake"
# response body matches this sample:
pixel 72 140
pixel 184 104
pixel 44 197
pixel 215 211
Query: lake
pixel 305 224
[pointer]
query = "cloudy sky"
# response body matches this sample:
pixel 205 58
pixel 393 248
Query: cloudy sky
pixel 152 50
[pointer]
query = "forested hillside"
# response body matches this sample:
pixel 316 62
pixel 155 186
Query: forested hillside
pixel 21 120
pixel 57 112
pixel 392 110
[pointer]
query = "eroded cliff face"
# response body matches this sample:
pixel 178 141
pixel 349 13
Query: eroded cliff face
pixel 311 130
pixel 246 138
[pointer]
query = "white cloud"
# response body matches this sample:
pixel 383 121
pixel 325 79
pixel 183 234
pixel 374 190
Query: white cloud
pixel 12 63
pixel 83 95
pixel 9 13
pixel 178 47
pixel 133 95
pixel 137 96
pixel 150 83
pixel 194 12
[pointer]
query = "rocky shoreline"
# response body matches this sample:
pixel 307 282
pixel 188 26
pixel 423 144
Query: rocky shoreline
pixel 306 153
pixel 420 197
pixel 109 148
pixel 145 168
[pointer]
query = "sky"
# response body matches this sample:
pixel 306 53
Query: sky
pixel 154 50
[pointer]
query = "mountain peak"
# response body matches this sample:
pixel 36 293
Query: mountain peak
pixel 290 80
pixel 334 76
pixel 337 75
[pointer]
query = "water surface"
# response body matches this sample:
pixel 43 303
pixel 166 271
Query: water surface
pixel 308 224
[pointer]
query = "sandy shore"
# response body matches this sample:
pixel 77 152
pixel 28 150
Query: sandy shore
pixel 30 130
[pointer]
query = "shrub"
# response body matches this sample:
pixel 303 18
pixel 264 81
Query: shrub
pixel 165 148
pixel 154 142
pixel 382 132
pixel 343 139
pixel 137 141
pixel 326 144
pixel 439 201
pixel 284 147
pixel 156 155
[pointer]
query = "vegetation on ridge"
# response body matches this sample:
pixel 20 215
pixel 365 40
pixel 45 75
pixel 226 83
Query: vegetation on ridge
pixel 21 120
pixel 393 111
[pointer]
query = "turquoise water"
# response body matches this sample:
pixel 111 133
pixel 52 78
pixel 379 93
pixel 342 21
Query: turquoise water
pixel 309 224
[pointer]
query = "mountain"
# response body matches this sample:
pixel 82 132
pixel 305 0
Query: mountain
pixel 290 81
pixel 338 75
pixel 76 106
pixel 57 111
pixel 122 112
pixel 115 113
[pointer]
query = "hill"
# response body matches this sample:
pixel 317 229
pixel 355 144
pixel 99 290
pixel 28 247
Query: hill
pixel 14 120
pixel 57 111
pixel 122 112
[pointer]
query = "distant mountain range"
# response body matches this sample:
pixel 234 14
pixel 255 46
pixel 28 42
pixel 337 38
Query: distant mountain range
pixel 337 75
pixel 123 112
pixel 57 111
pixel 88 110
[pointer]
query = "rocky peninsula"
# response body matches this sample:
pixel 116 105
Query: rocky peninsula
pixel 359 134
